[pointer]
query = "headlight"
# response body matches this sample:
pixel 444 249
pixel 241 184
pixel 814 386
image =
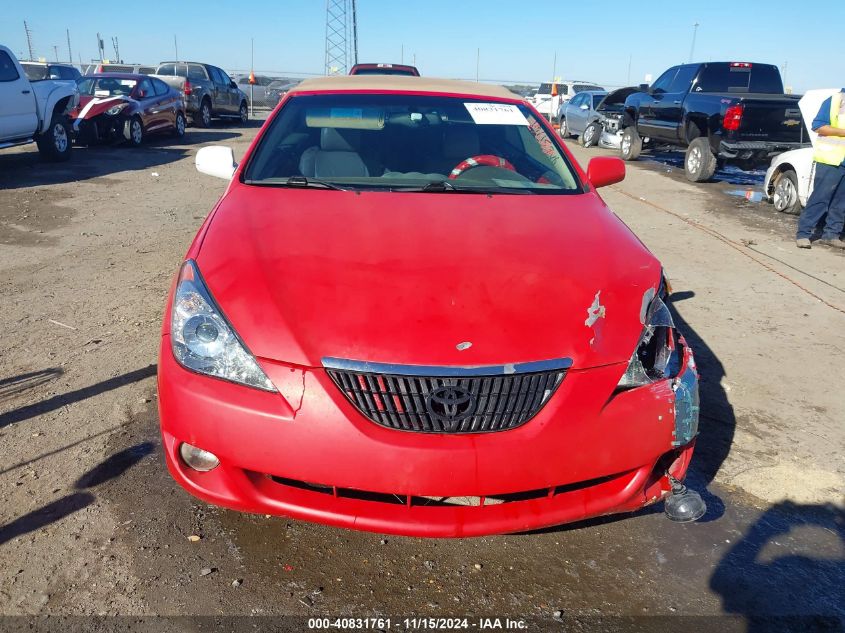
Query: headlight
pixel 116 109
pixel 656 356
pixel 202 339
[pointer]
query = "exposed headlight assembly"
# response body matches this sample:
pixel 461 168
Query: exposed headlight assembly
pixel 116 109
pixel 657 355
pixel 203 341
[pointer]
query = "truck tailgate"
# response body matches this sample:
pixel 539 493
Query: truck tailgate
pixel 772 118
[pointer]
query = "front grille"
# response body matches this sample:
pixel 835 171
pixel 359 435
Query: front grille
pixel 447 399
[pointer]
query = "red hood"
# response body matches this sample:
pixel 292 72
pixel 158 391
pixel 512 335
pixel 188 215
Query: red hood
pixel 404 278
pixel 90 106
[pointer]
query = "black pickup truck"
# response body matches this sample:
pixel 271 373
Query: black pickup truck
pixel 721 112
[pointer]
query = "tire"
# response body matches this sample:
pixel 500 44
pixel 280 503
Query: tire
pixel 203 116
pixel 785 194
pixel 591 135
pixel 244 112
pixel 562 129
pixel 181 124
pixel 699 161
pixel 55 143
pixel 133 131
pixel 631 145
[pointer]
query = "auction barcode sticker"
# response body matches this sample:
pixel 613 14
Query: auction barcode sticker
pixel 496 114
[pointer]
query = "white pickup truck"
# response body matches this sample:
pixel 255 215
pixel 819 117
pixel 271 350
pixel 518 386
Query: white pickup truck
pixel 34 111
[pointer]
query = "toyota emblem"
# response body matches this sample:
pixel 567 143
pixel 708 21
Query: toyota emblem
pixel 450 404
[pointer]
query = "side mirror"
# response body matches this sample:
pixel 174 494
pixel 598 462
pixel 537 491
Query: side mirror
pixel 603 171
pixel 142 94
pixel 232 84
pixel 217 160
pixel 645 88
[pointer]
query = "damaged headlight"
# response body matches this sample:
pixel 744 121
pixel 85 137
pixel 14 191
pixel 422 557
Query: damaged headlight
pixel 203 341
pixel 116 109
pixel 657 355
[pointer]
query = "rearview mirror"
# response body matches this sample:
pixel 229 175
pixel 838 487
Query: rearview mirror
pixel 603 171
pixel 217 160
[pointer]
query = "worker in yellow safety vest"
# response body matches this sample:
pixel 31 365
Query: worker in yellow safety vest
pixel 828 197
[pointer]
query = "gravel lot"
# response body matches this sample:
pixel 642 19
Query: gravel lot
pixel 93 524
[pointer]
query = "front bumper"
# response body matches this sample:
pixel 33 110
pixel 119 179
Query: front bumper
pixel 100 128
pixel 307 453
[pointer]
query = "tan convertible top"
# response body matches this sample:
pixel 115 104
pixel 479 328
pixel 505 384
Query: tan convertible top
pixel 354 83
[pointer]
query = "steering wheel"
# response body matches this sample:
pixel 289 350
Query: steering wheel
pixel 482 160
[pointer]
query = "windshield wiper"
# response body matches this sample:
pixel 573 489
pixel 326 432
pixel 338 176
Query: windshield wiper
pixel 446 186
pixel 295 181
pixel 302 181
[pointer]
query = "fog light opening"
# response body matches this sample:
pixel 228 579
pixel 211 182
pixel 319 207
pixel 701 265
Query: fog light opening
pixel 198 459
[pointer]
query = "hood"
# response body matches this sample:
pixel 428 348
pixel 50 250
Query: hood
pixel 810 104
pixel 404 278
pixel 90 106
pixel 617 97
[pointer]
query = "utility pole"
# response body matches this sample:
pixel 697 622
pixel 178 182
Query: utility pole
pixel 116 49
pixel 69 54
pixel 692 48
pixel 101 47
pixel 176 46
pixel 554 67
pixel 402 55
pixel 251 75
pixel 56 52
pixel 28 39
pixel 477 62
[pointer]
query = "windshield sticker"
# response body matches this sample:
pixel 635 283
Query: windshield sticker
pixel 496 114
pixel 543 139
pixel 101 93
pixel 127 82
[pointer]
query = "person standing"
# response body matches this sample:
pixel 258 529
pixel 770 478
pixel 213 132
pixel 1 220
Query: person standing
pixel 828 197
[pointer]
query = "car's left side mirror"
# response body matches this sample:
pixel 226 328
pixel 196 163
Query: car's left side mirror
pixel 232 84
pixel 218 160
pixel 603 171
pixel 142 94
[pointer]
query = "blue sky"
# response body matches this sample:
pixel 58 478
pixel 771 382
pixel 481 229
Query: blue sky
pixel 518 40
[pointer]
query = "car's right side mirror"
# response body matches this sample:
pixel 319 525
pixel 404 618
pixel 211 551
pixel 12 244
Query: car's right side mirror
pixel 605 170
pixel 216 160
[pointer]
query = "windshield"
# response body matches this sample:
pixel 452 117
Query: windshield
pixel 736 77
pixel 405 142
pixel 105 86
pixel 35 72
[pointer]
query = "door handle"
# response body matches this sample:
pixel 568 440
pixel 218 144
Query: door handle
pixel 24 92
pixel 677 102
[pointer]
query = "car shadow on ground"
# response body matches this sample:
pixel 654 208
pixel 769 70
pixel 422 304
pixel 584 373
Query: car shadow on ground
pixel 61 400
pixel 25 168
pixel 787 573
pixel 110 468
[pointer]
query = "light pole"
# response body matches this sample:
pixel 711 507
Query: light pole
pixel 692 48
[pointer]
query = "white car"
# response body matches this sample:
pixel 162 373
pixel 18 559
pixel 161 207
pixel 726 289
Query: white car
pixel 34 111
pixel 789 179
pixel 549 105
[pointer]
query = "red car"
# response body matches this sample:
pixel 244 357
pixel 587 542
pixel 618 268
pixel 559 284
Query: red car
pixel 411 312
pixel 384 69
pixel 122 106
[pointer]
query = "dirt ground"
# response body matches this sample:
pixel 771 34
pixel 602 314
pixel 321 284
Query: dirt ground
pixel 92 524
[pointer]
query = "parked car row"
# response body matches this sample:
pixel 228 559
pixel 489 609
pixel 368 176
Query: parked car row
pixel 720 113
pixel 54 105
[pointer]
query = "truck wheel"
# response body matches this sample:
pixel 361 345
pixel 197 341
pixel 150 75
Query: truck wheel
pixel 203 117
pixel 699 162
pixel 244 112
pixel 631 144
pixel 54 144
pixel 785 195
pixel 133 131
pixel 591 135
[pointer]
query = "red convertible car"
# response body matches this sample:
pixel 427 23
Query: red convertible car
pixel 411 312
pixel 122 106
